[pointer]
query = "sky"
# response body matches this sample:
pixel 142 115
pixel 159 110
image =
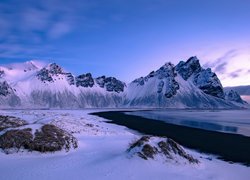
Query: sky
pixel 128 38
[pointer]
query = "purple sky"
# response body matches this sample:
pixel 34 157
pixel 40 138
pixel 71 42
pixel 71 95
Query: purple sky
pixel 128 38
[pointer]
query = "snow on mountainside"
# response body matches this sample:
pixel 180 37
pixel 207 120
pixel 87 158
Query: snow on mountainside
pixel 243 91
pixel 30 85
pixel 184 85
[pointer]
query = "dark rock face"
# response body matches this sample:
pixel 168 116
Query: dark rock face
pixel 70 78
pixel 111 84
pixel 186 69
pixel 168 85
pixel 55 69
pixel 139 81
pixel 10 122
pixel 5 89
pixel 204 79
pixel 85 80
pixel 233 96
pixel 209 83
pixel 1 73
pixel 160 86
pixel 44 75
pixel 149 147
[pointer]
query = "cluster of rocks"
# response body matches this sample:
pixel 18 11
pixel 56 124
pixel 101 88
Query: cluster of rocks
pixel 48 138
pixel 111 84
pixel 5 89
pixel 148 147
pixel 85 80
pixel 11 122
pixel 46 74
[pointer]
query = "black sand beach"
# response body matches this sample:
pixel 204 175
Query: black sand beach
pixel 229 147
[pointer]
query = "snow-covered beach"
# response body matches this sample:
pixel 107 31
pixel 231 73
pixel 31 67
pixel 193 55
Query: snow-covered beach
pixel 101 154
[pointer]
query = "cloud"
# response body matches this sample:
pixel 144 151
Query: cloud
pixel 221 67
pixel 236 73
pixel 34 19
pixel 59 29
pixel 26 25
pixel 220 64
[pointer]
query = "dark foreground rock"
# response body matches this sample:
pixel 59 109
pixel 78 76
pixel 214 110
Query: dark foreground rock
pixel 11 122
pixel 166 149
pixel 51 138
pixel 48 139
pixel 14 140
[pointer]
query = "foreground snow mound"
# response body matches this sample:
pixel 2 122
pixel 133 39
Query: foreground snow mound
pixel 48 138
pixel 162 149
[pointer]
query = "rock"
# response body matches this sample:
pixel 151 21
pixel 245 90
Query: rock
pixel 51 138
pixel 209 83
pixel 44 75
pixel 1 73
pixel 10 122
pixel 47 73
pixel 186 69
pixel 14 140
pixel 48 139
pixel 85 80
pixel 111 84
pixel 55 69
pixel 160 86
pixel 139 81
pixel 5 89
pixel 232 95
pixel 70 78
pixel 167 84
pixel 166 149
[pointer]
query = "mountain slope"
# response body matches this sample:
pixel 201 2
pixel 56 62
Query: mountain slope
pixel 181 86
pixel 186 85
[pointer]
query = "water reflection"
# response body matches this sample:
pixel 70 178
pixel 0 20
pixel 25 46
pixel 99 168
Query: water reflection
pixel 208 126
pixel 213 120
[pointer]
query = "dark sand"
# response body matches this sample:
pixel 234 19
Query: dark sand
pixel 229 147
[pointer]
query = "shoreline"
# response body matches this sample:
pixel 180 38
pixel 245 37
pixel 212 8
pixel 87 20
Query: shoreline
pixel 229 147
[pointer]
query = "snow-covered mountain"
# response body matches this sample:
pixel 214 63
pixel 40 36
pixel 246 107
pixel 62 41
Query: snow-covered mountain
pixel 242 90
pixel 30 85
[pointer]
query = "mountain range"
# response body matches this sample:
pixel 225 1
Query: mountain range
pixel 185 85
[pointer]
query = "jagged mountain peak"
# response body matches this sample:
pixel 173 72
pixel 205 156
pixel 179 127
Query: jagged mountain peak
pixel 188 68
pixel 23 66
pixel 185 85
pixel 232 95
pixel 111 84
pixel 55 69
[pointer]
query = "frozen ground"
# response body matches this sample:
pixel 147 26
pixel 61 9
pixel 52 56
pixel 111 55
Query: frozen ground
pixel 102 154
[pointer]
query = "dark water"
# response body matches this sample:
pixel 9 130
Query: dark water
pixel 228 146
pixel 228 121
